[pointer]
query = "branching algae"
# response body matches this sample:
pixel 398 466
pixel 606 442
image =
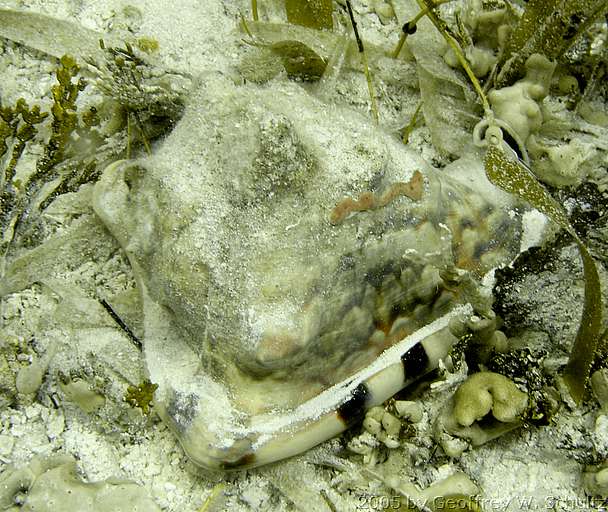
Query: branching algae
pixel 151 104
pixel 18 127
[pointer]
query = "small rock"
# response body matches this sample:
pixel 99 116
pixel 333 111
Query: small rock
pixel 29 378
pixel 391 425
pixel 384 10
pixel 55 426
pixel 371 425
pixel 408 410
pixel 6 445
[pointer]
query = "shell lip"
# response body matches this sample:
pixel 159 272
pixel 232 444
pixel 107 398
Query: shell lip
pixel 261 440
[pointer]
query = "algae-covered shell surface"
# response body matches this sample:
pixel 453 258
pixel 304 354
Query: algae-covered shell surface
pixel 290 255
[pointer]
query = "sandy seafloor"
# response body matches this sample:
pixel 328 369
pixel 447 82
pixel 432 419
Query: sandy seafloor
pixel 528 469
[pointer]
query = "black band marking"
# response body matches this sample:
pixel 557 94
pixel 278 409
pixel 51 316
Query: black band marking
pixel 353 409
pixel 415 362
